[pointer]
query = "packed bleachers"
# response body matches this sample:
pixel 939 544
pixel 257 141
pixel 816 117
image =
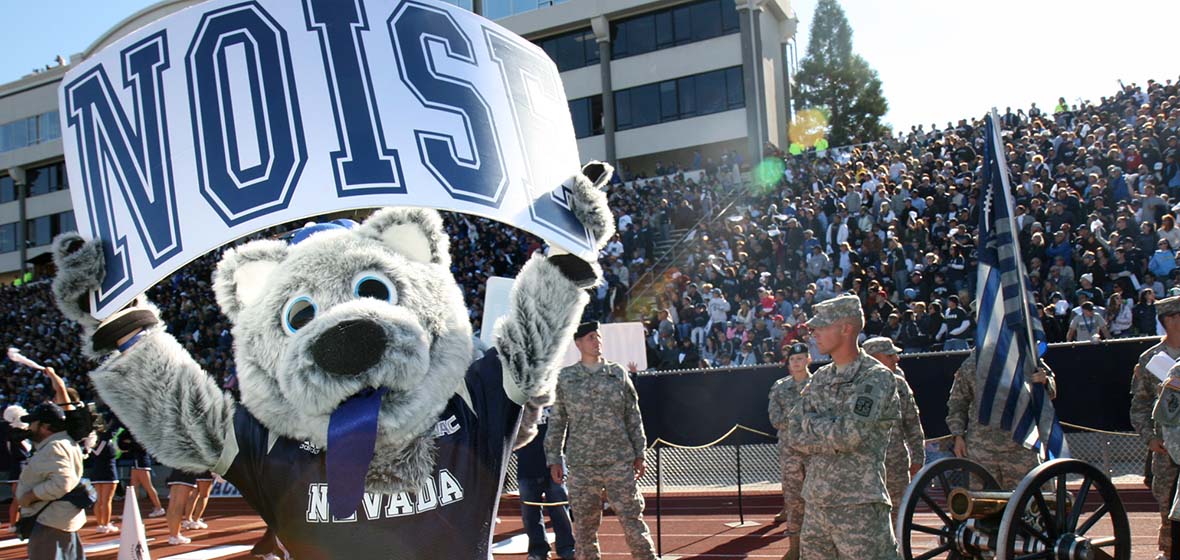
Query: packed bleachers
pixel 1096 184
pixel 893 220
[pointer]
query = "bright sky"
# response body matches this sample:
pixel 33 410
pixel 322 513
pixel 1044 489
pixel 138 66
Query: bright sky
pixel 939 60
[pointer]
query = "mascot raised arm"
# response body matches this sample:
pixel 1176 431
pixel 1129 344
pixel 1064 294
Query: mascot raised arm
pixel 365 429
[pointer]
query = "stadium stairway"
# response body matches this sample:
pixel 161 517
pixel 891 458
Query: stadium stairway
pixel 671 254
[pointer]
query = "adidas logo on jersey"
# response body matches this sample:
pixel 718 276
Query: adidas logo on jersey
pixel 432 494
pixel 310 447
pixel 446 427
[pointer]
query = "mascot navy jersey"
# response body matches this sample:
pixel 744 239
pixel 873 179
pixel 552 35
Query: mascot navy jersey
pixel 449 516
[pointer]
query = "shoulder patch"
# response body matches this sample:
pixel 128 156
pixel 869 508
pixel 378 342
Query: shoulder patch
pixel 866 401
pixel 1168 409
pixel 863 407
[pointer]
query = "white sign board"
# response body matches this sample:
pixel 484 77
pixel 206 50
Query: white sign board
pixel 495 305
pixel 230 117
pixel 621 342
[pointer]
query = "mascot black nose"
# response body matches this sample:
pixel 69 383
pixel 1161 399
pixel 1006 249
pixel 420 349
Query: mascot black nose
pixel 350 347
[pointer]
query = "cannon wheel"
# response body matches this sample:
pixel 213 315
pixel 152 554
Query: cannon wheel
pixel 930 488
pixel 1051 527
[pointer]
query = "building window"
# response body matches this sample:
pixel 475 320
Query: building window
pixel 571 51
pixel 670 100
pixel 465 4
pixel 496 9
pixel 587 115
pixel 7 189
pixel 672 27
pixel 7 238
pixel 41 230
pixel 29 131
pixel 735 92
pixel 47 179
pixel 682 98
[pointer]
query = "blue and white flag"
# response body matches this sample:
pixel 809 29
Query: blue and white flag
pixel 1009 333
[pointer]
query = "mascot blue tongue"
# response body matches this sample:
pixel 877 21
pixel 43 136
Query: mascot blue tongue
pixel 352 434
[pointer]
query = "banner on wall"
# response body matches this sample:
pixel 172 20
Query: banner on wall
pixel 230 117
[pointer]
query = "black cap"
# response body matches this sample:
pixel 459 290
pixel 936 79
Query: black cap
pixel 585 329
pixel 48 413
pixel 796 348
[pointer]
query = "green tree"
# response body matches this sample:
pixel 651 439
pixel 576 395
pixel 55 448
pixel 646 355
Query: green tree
pixel 839 82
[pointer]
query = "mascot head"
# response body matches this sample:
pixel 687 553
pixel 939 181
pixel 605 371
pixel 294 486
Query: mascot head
pixel 351 325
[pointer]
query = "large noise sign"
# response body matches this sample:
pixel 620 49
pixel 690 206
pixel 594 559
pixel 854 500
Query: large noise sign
pixel 231 117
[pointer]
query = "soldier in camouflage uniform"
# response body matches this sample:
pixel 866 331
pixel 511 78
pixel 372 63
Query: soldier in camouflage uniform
pixel 907 441
pixel 595 428
pixel 784 401
pixel 1166 416
pixel 1145 387
pixel 842 430
pixel 990 446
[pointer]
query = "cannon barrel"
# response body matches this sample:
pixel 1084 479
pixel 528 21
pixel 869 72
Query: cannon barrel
pixel 967 504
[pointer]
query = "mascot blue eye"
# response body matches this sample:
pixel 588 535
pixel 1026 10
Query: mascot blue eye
pixel 374 285
pixel 298 313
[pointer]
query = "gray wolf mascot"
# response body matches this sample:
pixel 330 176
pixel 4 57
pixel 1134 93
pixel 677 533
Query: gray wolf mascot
pixel 365 428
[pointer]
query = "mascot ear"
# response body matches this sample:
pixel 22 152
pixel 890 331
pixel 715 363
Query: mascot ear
pixel 415 233
pixel 243 273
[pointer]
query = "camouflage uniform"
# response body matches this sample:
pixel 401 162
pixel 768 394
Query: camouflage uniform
pixel 1166 416
pixel 990 446
pixel 595 420
pixel 906 442
pixel 1145 388
pixel 842 430
pixel 784 400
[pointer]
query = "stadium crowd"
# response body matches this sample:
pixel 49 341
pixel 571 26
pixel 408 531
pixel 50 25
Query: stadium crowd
pixel 1096 188
pixel 1096 185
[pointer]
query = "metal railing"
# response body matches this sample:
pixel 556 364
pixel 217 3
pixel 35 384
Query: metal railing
pixel 642 287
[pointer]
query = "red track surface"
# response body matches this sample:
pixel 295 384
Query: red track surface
pixel 693 526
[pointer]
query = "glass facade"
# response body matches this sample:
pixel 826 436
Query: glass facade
pixel 39 231
pixel 572 50
pixel 672 27
pixel 497 9
pixel 7 189
pixel 465 4
pixel 669 100
pixel 663 29
pixel 7 238
pixel 29 131
pixel 47 179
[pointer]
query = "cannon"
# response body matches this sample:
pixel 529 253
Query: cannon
pixel 1064 509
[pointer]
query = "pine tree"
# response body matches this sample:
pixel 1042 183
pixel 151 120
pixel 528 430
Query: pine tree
pixel 839 82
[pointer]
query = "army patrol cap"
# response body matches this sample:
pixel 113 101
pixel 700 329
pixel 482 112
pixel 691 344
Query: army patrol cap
pixel 585 329
pixel 880 345
pixel 1167 306
pixel 836 309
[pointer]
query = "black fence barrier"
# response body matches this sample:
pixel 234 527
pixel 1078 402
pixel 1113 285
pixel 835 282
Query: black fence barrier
pixel 696 407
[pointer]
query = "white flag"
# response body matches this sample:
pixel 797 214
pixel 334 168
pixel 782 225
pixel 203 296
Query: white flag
pixel 15 355
pixel 133 540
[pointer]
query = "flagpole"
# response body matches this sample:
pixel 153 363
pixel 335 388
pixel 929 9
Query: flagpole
pixel 1002 168
pixel 1002 164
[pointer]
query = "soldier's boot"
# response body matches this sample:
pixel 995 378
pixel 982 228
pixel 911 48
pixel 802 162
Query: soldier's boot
pixel 781 516
pixel 792 548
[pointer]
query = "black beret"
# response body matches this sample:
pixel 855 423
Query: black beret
pixel 585 329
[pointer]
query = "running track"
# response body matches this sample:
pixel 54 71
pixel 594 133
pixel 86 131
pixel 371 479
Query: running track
pixel 694 527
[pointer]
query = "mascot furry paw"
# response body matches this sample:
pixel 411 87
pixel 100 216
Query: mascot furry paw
pixel 365 430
